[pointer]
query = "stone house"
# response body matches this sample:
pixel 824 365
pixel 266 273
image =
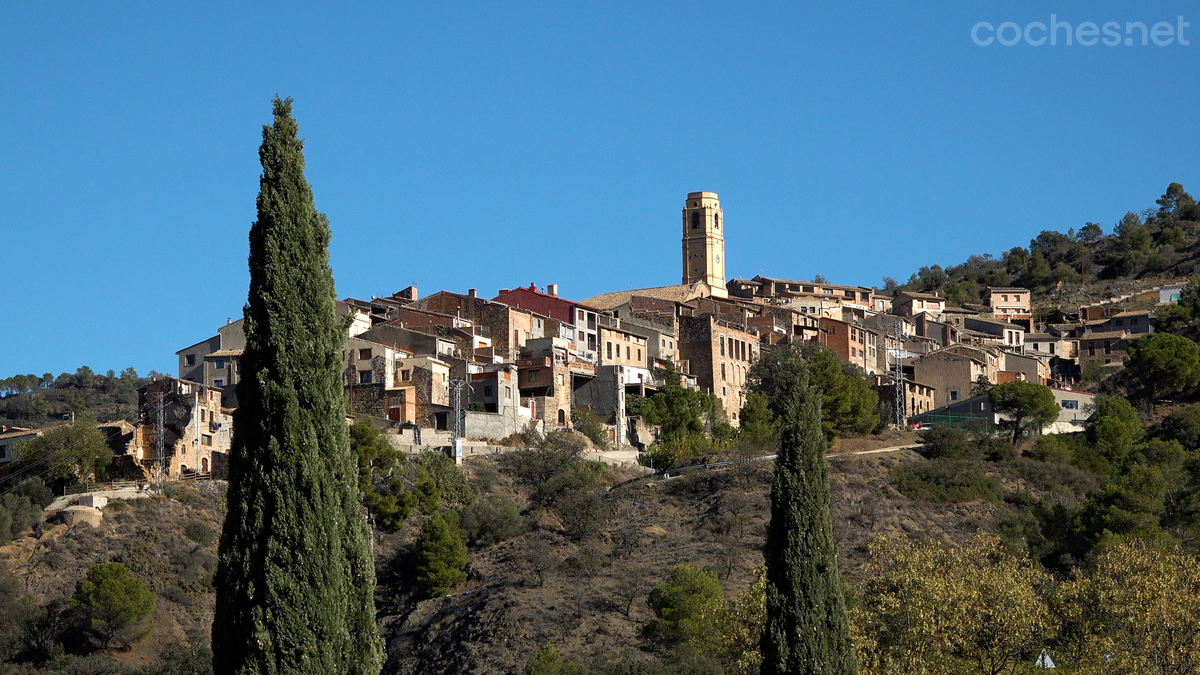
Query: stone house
pixel 195 427
pixel 911 303
pixel 577 321
pixel 719 356
pixel 953 371
pixel 853 343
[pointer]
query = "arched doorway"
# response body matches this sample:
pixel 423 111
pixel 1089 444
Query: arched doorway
pixel 562 418
pixel 204 465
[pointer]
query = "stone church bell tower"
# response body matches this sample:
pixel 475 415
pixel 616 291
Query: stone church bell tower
pixel 704 241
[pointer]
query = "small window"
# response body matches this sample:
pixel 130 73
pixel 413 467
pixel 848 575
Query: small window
pixel 405 375
pixel 953 394
pixel 218 383
pixel 1070 405
pixel 535 375
pixel 364 355
pixel 190 359
pixel 205 439
pixel 639 355
pixel 1120 322
pixel 695 220
pixel 365 376
pixel 627 353
pixel 487 391
pixel 608 349
pixel 1133 322
pixel 220 365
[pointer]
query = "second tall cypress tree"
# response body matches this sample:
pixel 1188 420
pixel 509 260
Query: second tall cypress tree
pixel 296 581
pixel 806 631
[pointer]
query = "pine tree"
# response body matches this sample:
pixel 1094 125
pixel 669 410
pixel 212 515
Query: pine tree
pixel 295 582
pixel 806 630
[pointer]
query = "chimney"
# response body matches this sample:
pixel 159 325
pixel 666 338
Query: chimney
pixel 471 293
pixel 552 289
pixel 532 286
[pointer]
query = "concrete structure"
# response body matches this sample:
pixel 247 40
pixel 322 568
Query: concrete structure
pixel 1011 304
pixel 1134 323
pixel 1003 333
pixel 9 438
pixel 1170 293
pixel 1049 345
pixel 704 242
pixel 1075 409
pixel 215 362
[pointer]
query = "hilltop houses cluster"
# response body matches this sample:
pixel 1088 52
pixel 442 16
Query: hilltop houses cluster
pixel 472 367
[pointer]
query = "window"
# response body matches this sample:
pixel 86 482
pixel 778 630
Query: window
pixel 722 371
pixel 190 359
pixel 721 341
pixel 695 220
pixel 581 315
pixel 1120 322
pixel 365 376
pixel 1107 347
pixel 487 391
pixel 1133 322
pixel 364 355
pixel 716 221
pixel 218 383
pixel 220 365
pixel 639 355
pixel 405 375
pixel 1070 405
pixel 627 353
pixel 724 392
pixel 535 375
pixel 608 349
pixel 953 394
pixel 205 439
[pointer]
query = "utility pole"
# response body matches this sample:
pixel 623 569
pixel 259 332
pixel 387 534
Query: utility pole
pixel 456 429
pixel 898 377
pixel 160 454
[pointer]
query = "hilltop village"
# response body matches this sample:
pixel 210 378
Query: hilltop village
pixel 461 370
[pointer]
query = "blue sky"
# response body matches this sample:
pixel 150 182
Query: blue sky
pixel 489 146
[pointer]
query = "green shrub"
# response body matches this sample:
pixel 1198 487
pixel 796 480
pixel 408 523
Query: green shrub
pixel 1056 448
pixel 681 603
pixel 943 442
pixel 582 512
pixel 199 532
pixel 547 661
pixel 455 488
pixel 440 557
pixel 1048 475
pixel 946 480
pixel 590 425
pixel 490 520
pixel 113 603
pixel 17 514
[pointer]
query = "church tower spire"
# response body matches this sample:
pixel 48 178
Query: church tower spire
pixel 704 241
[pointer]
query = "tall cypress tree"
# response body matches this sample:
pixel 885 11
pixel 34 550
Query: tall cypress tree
pixel 806 630
pixel 296 581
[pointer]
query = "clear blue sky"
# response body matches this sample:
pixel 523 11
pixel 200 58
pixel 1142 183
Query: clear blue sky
pixel 499 144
